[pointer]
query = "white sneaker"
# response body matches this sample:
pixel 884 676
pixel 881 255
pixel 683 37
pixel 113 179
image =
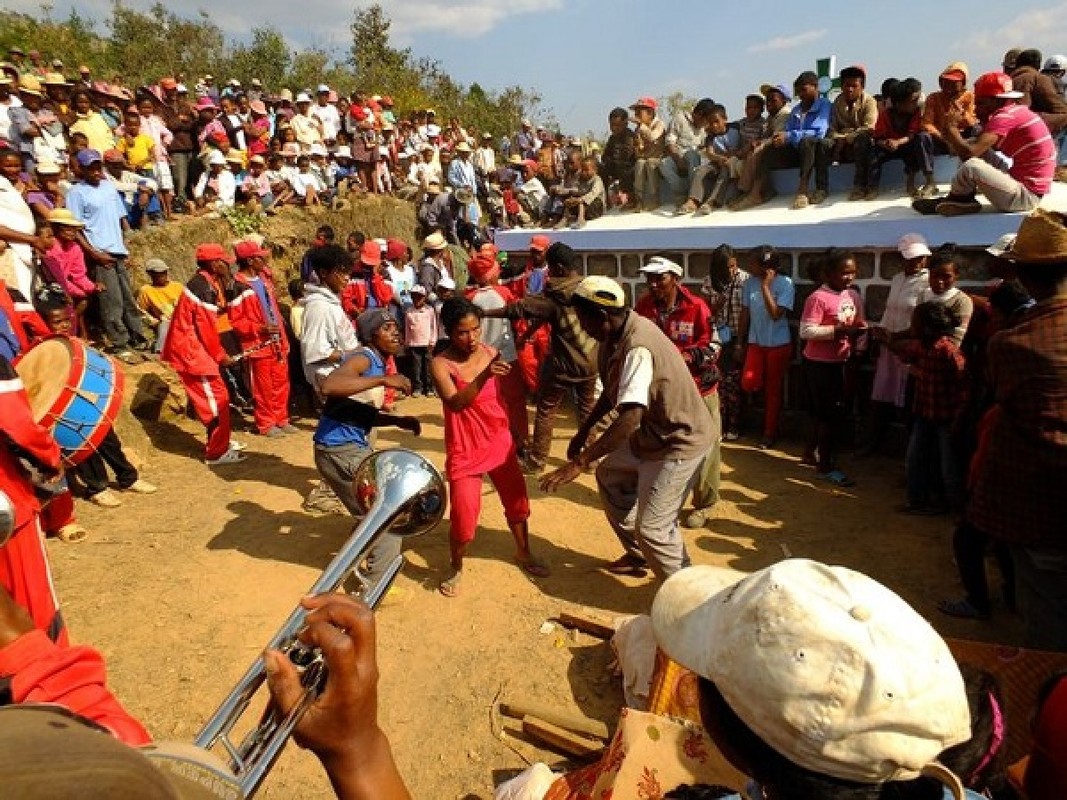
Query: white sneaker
pixel 142 487
pixel 106 499
pixel 231 456
pixel 236 445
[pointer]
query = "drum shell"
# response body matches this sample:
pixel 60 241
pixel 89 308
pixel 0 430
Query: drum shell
pixel 88 402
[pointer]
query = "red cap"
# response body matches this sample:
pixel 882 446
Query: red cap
pixel 539 242
pixel 210 251
pixel 646 102
pixel 954 75
pixel 169 83
pixel 394 248
pixel 247 249
pixel 370 253
pixel 996 84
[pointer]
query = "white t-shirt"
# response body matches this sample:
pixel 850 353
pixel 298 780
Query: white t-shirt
pixel 331 119
pixel 635 382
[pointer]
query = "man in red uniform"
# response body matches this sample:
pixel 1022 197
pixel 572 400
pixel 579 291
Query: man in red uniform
pixel 686 320
pixel 194 350
pixel 257 320
pixel 533 341
pixel 24 569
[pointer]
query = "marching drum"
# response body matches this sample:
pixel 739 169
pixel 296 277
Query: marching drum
pixel 74 391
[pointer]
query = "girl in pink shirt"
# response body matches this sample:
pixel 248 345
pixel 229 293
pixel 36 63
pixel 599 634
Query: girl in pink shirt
pixel 64 262
pixel 829 326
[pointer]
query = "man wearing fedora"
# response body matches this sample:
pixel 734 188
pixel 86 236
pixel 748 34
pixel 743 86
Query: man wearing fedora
pixel 1021 478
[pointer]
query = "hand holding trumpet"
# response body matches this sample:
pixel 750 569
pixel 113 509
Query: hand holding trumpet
pixel 341 725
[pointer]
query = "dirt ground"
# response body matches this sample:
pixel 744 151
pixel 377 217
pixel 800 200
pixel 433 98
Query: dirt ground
pixel 181 590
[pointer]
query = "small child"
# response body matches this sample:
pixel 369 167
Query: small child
pixel 306 184
pixel 421 334
pixel 651 140
pixel 138 148
pixel 940 387
pixel 589 196
pixel 92 472
pixel 753 127
pixel 712 181
pixel 64 259
pixel 158 299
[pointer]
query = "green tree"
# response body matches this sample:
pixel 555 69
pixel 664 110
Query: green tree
pixel 375 61
pixel 267 57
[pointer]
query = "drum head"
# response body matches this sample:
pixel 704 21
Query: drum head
pixel 45 370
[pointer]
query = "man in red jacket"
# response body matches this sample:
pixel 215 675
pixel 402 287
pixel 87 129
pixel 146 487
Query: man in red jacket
pixel 257 320
pixel 194 350
pixel 686 320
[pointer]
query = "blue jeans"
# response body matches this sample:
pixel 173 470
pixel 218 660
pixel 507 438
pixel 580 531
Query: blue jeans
pixel 677 182
pixel 931 463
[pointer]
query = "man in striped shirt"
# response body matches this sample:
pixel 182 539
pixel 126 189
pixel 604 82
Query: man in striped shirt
pixel 1010 130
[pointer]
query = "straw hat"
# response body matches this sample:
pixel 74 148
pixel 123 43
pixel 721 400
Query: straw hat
pixel 1042 239
pixel 64 216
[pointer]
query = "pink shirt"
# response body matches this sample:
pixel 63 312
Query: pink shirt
pixel 1024 138
pixel 67 261
pixel 420 326
pixel 824 309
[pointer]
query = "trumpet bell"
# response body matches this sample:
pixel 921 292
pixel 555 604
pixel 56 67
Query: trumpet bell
pixel 405 482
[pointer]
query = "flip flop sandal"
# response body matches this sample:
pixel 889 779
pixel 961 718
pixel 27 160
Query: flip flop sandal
pixel 535 568
pixel 837 478
pixel 72 533
pixel 627 565
pixel 450 586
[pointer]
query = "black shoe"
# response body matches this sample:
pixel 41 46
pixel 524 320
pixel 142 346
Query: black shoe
pixel 927 205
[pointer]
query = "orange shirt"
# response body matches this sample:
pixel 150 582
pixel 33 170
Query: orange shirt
pixel 937 106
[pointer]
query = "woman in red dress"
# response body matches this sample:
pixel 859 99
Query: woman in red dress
pixel 477 439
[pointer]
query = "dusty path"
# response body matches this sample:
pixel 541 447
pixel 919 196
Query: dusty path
pixel 181 590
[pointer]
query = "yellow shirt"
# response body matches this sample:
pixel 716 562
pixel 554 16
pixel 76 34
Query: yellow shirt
pixel 139 153
pixel 96 130
pixel 159 301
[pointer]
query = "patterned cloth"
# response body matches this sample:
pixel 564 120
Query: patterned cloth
pixel 941 383
pixel 1021 479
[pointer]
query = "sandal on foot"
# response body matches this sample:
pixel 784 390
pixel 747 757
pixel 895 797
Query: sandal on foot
pixel 961 609
pixel 535 568
pixel 629 564
pixel 837 478
pixel 72 533
pixel 450 586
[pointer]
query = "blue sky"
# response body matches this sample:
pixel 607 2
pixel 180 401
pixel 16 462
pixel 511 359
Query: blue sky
pixel 586 56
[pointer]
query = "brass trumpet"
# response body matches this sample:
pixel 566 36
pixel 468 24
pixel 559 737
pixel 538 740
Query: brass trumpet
pixel 399 491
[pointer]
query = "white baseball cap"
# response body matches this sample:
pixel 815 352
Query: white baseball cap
pixel 827 666
pixel 658 265
pixel 323 89
pixel 913 245
pixel 303 97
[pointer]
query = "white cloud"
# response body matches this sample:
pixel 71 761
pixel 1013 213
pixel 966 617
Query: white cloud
pixel 325 22
pixel 468 19
pixel 787 42
pixel 1043 28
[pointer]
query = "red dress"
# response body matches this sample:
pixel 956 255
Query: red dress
pixel 477 439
